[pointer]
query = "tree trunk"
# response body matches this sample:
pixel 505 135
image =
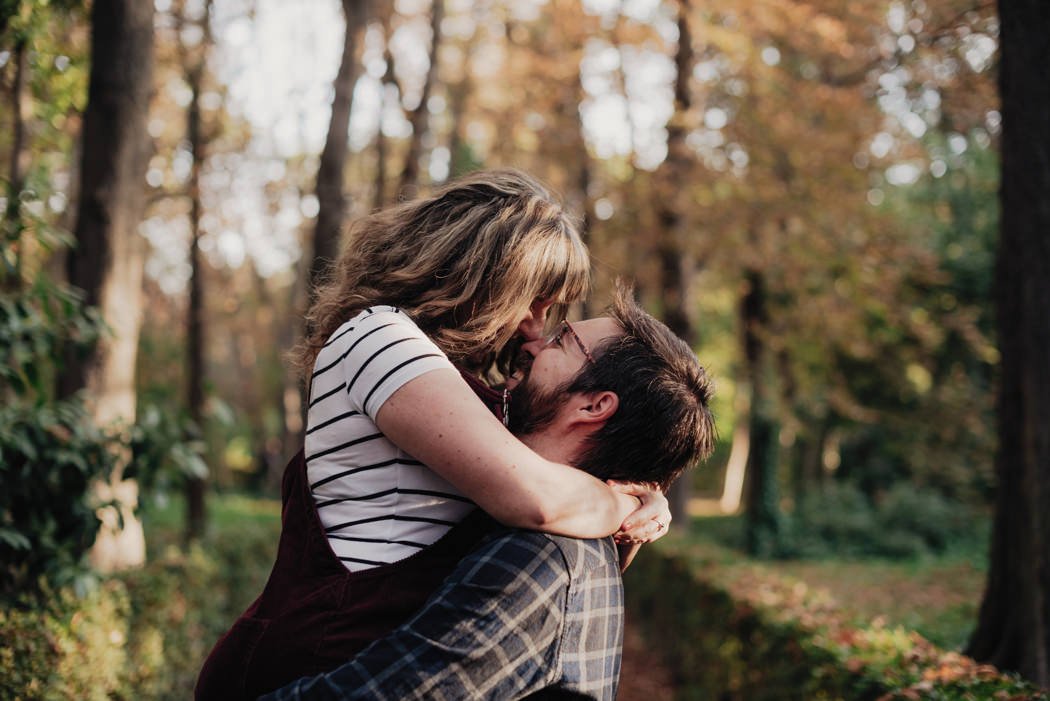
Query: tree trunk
pixel 331 199
pixel 736 465
pixel 389 81
pixel 410 174
pixel 583 175
pixel 760 484
pixel 196 508
pixel 108 261
pixel 460 154
pixel 12 223
pixel 675 264
pixel 1013 628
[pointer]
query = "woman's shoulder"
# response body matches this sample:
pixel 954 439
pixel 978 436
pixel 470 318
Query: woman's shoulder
pixel 370 319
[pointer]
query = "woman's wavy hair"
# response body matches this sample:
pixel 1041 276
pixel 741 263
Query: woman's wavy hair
pixel 464 263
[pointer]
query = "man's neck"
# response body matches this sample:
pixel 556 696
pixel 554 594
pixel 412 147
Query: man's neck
pixel 557 446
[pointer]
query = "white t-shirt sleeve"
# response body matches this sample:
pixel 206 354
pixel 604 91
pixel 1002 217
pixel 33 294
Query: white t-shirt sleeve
pixel 386 351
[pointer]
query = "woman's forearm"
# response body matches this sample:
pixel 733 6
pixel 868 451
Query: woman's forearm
pixel 439 421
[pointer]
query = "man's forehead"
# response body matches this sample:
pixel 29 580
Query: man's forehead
pixel 593 331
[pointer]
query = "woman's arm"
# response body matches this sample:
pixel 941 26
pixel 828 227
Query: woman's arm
pixel 437 419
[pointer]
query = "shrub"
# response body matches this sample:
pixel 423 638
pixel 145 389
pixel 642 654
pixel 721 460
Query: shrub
pixel 142 634
pixel 766 638
pixel 839 519
pixel 924 513
pixel 906 522
pixel 50 451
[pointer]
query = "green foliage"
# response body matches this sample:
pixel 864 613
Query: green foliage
pixel 765 638
pixel 906 522
pixel 840 521
pixel 37 324
pixel 143 634
pixel 50 451
pixel 49 456
pixel 929 376
pixel 165 450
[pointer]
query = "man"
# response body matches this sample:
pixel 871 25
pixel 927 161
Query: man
pixel 531 614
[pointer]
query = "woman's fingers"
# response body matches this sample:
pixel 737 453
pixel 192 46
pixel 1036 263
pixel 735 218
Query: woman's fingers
pixel 652 518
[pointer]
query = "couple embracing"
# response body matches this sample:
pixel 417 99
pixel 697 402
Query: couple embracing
pixel 470 487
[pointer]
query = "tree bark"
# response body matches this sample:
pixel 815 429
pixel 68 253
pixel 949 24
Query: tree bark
pixel 675 264
pixel 331 198
pixel 12 224
pixel 107 263
pixel 461 158
pixel 410 174
pixel 1013 628
pixel 196 507
pixel 583 175
pixel 760 480
pixel 736 465
pixel 20 112
pixel 389 80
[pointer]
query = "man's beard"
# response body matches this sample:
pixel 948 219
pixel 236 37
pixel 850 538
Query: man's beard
pixel 532 409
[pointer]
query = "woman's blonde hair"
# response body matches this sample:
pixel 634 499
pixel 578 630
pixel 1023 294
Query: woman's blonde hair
pixel 464 263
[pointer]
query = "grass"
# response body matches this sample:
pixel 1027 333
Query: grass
pixel 936 596
pixel 163 520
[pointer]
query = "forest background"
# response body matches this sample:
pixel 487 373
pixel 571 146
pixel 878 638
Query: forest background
pixel 806 191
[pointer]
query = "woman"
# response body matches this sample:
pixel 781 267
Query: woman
pixel 399 449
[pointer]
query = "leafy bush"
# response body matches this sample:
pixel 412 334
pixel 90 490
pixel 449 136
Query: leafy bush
pixel 765 638
pixel 925 514
pixel 49 455
pixel 143 634
pixel 50 451
pixel 839 519
pixel 906 522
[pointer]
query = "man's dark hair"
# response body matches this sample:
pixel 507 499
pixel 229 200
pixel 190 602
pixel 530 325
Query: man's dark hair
pixel 663 424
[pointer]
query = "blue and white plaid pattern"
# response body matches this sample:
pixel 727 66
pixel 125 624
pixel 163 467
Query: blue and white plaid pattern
pixel 525 613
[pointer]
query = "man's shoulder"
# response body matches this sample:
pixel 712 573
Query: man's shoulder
pixel 573 556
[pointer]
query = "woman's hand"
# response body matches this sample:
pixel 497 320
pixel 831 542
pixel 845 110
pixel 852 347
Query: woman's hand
pixel 650 520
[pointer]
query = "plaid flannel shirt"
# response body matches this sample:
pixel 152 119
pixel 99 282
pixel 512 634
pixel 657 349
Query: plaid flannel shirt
pixel 524 614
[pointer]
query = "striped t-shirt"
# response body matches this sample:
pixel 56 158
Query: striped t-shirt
pixel 377 504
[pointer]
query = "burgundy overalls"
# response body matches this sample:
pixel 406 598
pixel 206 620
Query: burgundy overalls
pixel 314 614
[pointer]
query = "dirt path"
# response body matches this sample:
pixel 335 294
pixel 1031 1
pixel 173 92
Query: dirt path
pixel 643 676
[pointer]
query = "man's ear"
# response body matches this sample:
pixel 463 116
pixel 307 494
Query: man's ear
pixel 598 407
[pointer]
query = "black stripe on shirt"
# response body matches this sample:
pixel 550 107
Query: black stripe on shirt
pixel 366 497
pixel 362 561
pixel 336 338
pixel 357 539
pixel 327 394
pixel 337 448
pixel 390 517
pixel 396 490
pixel 349 350
pixel 350 384
pixel 355 470
pixel 332 420
pixel 386 376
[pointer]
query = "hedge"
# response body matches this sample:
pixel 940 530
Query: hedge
pixel 766 638
pixel 140 635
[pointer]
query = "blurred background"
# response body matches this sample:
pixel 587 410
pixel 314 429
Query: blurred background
pixel 805 190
